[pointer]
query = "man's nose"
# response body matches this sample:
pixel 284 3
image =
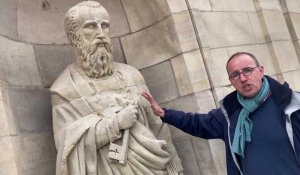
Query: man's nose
pixel 243 77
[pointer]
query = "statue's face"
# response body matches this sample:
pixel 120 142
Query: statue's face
pixel 93 43
pixel 94 27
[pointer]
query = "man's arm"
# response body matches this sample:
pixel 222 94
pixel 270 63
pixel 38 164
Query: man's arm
pixel 207 126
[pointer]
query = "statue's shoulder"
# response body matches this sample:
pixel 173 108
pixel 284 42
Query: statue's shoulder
pixel 132 74
pixel 64 85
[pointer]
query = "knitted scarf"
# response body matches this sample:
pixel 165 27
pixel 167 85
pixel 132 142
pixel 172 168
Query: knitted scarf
pixel 244 125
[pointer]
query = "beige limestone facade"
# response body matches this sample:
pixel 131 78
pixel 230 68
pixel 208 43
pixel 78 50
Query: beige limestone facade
pixel 180 47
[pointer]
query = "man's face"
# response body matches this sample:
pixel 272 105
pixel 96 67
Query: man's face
pixel 94 28
pixel 244 75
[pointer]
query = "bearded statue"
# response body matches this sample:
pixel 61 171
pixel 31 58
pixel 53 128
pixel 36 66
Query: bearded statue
pixel 101 124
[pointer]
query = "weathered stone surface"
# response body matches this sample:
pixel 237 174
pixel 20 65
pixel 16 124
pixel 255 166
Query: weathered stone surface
pixel 203 5
pixel 205 101
pixel 118 54
pixel 118 22
pixel 52 60
pixel 9 126
pixel 232 5
pixel 208 26
pixel 31 110
pixel 297 47
pixel 161 82
pixel 4 118
pixel 18 65
pixel 7 158
pixel 197 71
pixel 151 45
pixel 185 31
pixel 35 153
pixel 274 29
pixel 143 13
pixel 6 124
pixel 267 5
pixel 216 60
pixel 293 79
pixel 294 25
pixel 8 18
pixel 43 21
pixel 177 5
pixel 218 152
pixel 223 91
pixel 181 75
pixel 256 27
pixel 293 5
pixel 284 52
pixel 187 155
pixel 187 103
pixel 204 156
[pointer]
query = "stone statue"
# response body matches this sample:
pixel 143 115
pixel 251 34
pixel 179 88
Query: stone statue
pixel 102 125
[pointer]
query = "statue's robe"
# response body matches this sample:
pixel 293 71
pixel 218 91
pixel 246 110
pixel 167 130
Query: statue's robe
pixel 85 124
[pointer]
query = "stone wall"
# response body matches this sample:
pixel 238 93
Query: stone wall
pixel 180 46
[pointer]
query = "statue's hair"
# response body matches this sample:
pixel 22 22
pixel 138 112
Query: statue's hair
pixel 72 20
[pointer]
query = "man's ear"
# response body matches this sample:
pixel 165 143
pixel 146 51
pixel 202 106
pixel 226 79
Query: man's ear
pixel 262 70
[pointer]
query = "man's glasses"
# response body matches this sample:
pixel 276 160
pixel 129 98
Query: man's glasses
pixel 247 71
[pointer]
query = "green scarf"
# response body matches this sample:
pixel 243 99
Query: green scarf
pixel 244 124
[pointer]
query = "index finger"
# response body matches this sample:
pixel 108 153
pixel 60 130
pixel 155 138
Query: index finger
pixel 148 96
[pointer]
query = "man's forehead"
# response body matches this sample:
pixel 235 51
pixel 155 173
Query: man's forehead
pixel 240 61
pixel 242 58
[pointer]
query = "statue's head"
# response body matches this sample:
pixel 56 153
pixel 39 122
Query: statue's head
pixel 87 27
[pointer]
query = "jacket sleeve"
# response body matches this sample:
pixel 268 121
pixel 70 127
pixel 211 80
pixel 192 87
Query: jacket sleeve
pixel 206 126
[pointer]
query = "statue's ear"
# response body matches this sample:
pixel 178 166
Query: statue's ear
pixel 73 37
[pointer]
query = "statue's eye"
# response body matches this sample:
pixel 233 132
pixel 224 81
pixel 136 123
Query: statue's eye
pixel 91 26
pixel 104 25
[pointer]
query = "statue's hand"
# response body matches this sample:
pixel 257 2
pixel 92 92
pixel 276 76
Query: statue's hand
pixel 127 116
pixel 157 110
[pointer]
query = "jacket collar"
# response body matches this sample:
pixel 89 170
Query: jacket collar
pixel 281 93
pixel 294 105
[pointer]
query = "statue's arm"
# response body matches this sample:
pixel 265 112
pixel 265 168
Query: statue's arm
pixel 107 128
pixel 66 115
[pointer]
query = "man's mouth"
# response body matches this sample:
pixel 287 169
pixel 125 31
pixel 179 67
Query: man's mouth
pixel 247 87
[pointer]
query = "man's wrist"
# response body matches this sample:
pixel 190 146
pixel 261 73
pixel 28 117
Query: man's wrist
pixel 162 113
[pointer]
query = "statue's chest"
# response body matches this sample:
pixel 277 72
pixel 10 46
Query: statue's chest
pixel 113 100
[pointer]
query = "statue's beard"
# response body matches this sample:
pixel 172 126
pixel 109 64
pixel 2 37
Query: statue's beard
pixel 96 59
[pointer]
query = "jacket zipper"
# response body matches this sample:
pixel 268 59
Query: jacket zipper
pixel 229 139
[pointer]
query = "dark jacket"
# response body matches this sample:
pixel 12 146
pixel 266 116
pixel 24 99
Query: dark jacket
pixel 220 123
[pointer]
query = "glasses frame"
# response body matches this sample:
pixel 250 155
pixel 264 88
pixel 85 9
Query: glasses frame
pixel 242 71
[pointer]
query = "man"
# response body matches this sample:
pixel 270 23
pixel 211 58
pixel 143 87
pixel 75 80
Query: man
pixel 259 122
pixel 101 124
